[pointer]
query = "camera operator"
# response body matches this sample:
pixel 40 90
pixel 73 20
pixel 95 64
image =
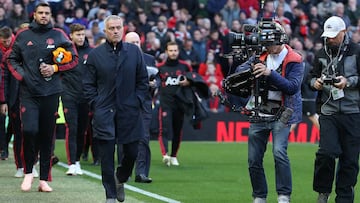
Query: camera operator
pixel 335 76
pixel 281 68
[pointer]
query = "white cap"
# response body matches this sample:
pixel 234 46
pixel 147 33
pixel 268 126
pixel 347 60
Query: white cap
pixel 333 26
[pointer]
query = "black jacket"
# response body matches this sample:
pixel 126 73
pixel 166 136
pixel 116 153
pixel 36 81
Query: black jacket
pixel 116 85
pixel 72 79
pixel 32 44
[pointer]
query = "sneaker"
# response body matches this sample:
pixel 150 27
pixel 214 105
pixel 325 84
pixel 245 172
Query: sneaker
pixel 283 199
pixel 259 200
pixel 174 161
pixel 166 160
pixel 72 170
pixel 19 173
pixel 323 198
pixel 35 173
pixel 78 170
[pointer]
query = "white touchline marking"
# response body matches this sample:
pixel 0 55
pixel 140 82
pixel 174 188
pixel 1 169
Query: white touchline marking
pixel 129 187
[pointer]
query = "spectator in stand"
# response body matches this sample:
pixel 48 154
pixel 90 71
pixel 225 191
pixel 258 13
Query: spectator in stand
pixel 211 76
pixel 326 8
pixel 18 16
pixel 280 11
pixel 60 23
pixel 291 15
pixel 40 85
pixel 144 26
pixel 192 6
pixel 314 15
pixel 199 45
pixel 230 11
pixel 75 107
pixel 3 20
pixel 210 59
pixel 269 9
pixel 29 7
pixel 133 26
pixel 355 37
pixel 80 17
pixel 206 24
pixel 128 10
pixel 223 29
pixel 214 6
pixel 173 20
pixel 185 17
pixel 100 17
pixel 315 30
pixel 215 44
pixel 188 54
pixel 160 31
pixel 68 10
pixel 340 11
pixel 92 14
pixel 248 6
pixel 181 33
pixel 202 9
pixel 96 32
pixel 302 30
pixel 155 13
pixel 306 5
pixel 284 3
pixel 352 10
pixel 213 104
pixel 253 18
pixel 216 21
pixel 90 37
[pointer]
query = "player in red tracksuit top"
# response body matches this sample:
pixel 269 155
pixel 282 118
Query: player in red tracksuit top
pixel 38 53
pixel 172 73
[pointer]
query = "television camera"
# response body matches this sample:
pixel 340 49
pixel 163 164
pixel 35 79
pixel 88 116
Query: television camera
pixel 249 46
pixel 251 43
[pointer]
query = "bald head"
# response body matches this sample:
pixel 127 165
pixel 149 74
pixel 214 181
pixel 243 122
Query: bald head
pixel 133 38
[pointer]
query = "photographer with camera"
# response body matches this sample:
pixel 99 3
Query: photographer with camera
pixel 336 76
pixel 279 70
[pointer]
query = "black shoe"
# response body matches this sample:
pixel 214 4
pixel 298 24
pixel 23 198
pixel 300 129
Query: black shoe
pixel 120 192
pixel 54 160
pixel 96 163
pixel 142 179
pixel 4 155
pixel 85 157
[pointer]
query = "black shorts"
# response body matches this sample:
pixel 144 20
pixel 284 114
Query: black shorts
pixel 308 108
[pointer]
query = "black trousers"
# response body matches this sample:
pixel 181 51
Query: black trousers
pixel 171 123
pixel 76 116
pixel 123 171
pixel 3 138
pixel 14 128
pixel 38 116
pixel 143 159
pixel 339 138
